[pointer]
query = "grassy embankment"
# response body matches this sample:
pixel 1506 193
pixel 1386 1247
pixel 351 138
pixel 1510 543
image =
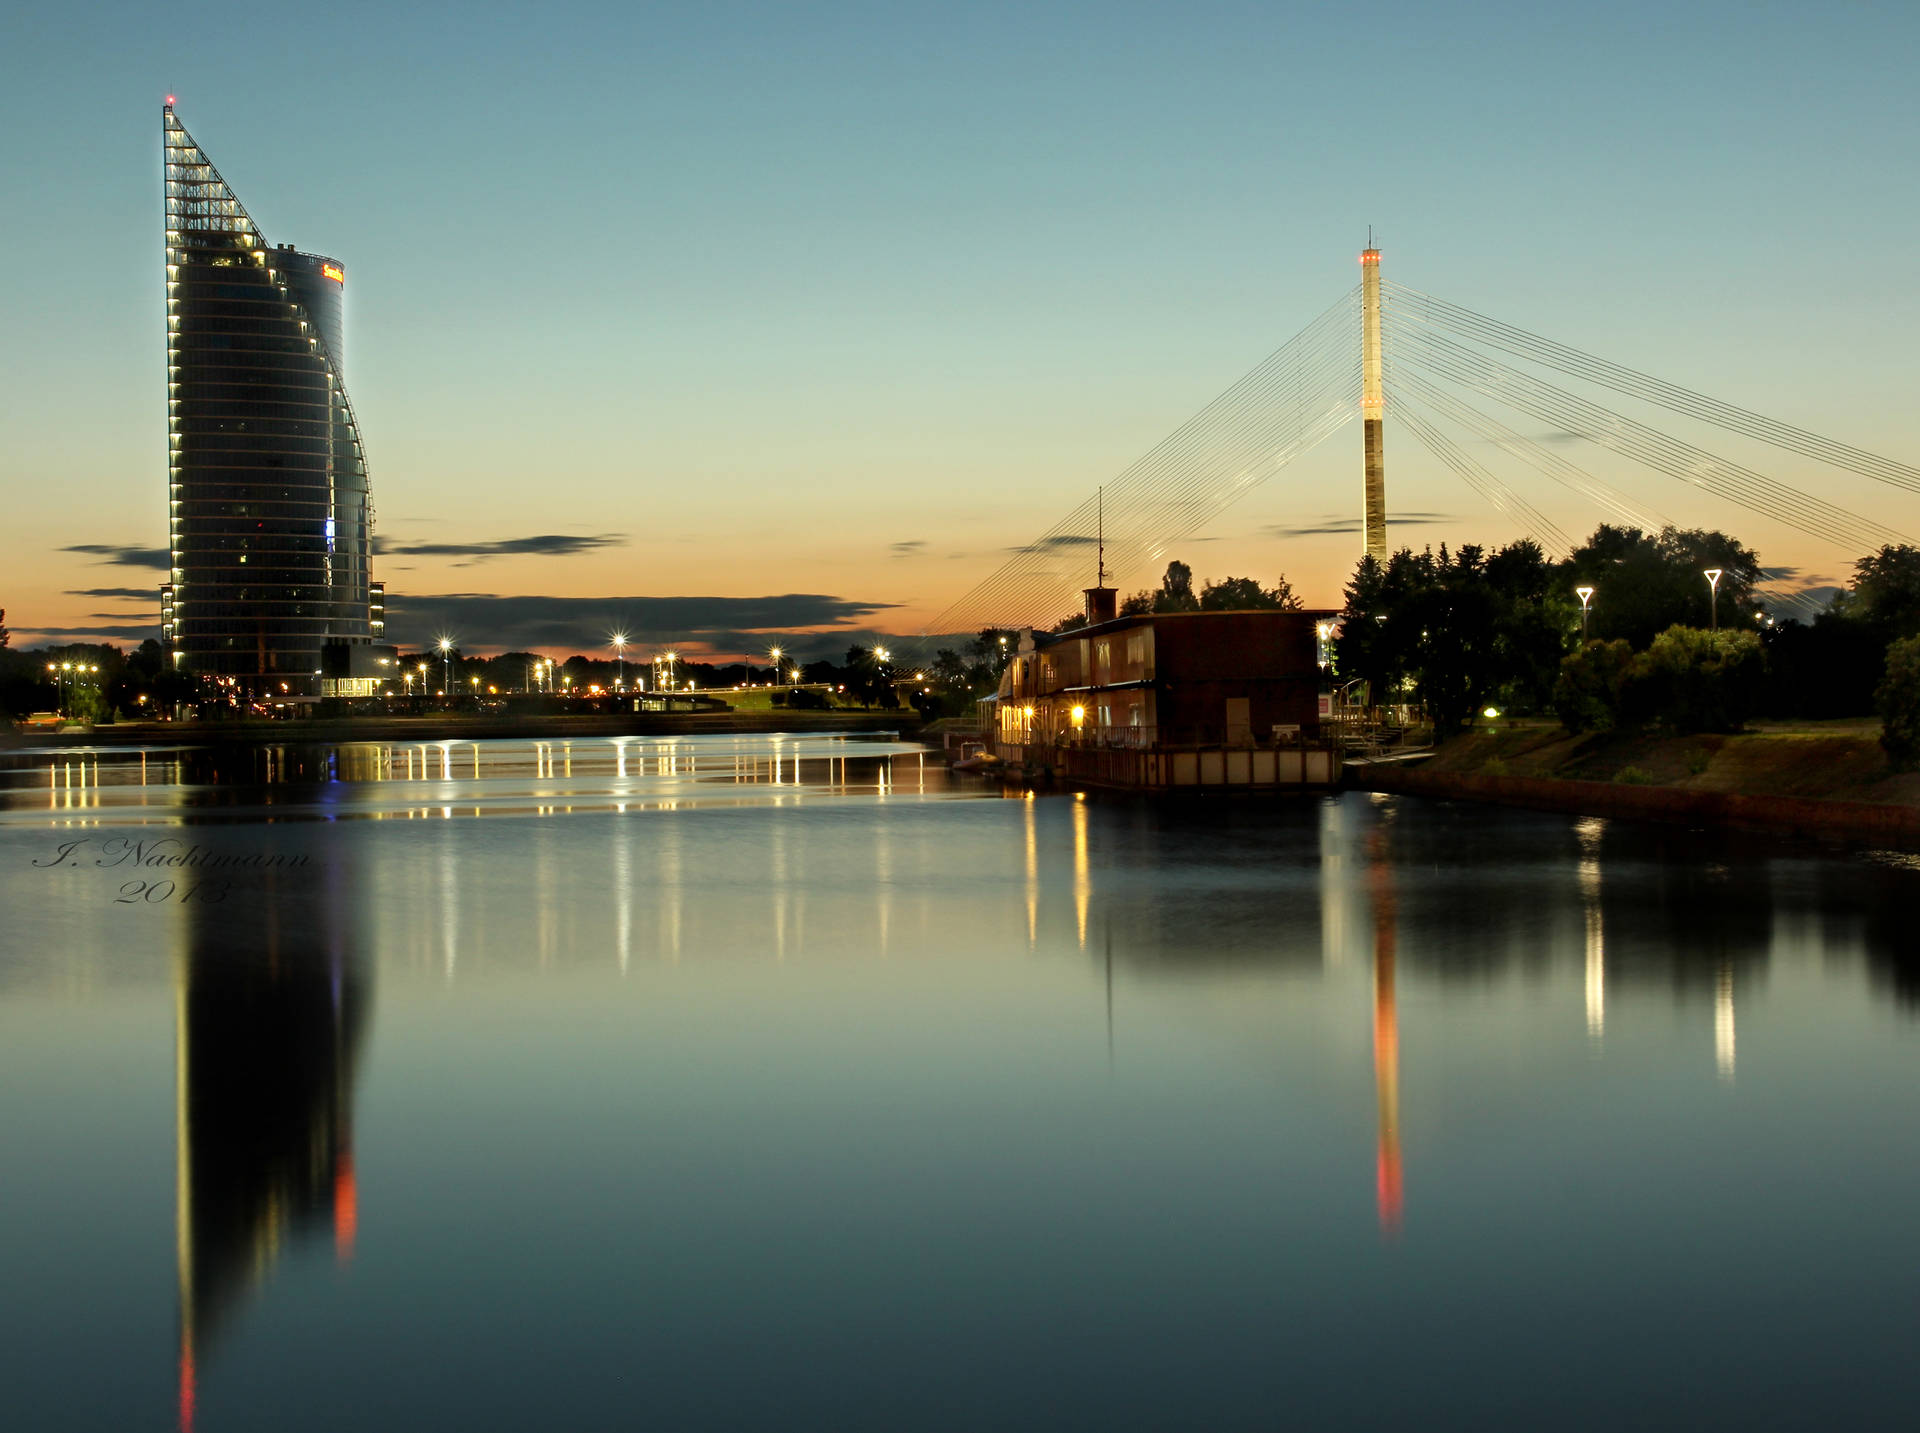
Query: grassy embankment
pixel 1827 761
pixel 1828 779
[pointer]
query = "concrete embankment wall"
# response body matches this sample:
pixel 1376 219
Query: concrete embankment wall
pixel 1863 821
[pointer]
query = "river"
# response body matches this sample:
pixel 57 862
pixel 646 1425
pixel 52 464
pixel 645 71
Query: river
pixel 788 1082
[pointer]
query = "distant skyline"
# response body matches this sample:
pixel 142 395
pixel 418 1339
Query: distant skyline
pixel 724 320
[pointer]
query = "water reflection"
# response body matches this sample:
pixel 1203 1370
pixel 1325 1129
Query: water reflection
pixel 271 1006
pixel 439 780
pixel 1389 1192
pixel 852 1084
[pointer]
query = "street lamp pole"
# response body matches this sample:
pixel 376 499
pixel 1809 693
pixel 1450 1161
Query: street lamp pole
pixel 1585 594
pixel 446 666
pixel 1713 583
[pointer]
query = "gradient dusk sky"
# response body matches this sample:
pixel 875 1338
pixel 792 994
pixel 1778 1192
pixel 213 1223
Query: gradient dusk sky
pixel 815 311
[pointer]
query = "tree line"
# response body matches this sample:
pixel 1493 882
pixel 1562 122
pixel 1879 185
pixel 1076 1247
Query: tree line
pixel 1457 631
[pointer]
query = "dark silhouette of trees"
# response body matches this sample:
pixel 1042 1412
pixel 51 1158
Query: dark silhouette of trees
pixel 1455 630
pixel 1643 584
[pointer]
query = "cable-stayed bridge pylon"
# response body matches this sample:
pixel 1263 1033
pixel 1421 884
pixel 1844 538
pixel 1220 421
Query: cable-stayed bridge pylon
pixel 1387 353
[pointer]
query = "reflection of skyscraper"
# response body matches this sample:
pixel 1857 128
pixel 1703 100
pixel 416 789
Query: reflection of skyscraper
pixel 270 517
pixel 270 1005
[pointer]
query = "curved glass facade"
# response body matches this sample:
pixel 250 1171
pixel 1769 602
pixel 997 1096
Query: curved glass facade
pixel 270 518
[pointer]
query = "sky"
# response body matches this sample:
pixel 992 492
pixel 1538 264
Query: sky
pixel 728 322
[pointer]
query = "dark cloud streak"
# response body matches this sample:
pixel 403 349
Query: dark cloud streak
pixel 124 556
pixel 552 544
pixel 487 619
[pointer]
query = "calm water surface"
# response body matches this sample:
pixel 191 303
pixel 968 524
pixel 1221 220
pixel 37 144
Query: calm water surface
pixel 786 1082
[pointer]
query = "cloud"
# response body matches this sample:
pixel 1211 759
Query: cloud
pixel 118 631
pixel 581 624
pixel 1354 524
pixel 907 549
pixel 132 594
pixel 124 556
pixel 1054 544
pixel 552 544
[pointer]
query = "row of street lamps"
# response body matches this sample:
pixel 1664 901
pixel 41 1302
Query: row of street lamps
pixel 68 674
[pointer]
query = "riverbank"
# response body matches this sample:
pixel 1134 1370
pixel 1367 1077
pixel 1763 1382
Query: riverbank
pixel 463 727
pixel 1823 779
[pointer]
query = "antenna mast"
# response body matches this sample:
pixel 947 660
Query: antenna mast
pixel 1100 576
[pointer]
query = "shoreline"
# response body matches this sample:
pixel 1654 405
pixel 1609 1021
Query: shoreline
pixel 1830 784
pixel 453 727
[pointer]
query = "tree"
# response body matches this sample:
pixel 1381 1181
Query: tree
pixel 6 637
pixel 1137 604
pixel 950 670
pixel 1244 594
pixel 1898 701
pixel 1698 680
pixel 1644 585
pixel 1591 690
pixel 1176 590
pixel 1885 593
pixel 1455 629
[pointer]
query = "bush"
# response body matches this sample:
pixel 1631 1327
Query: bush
pixel 1633 776
pixel 1593 681
pixel 1698 681
pixel 1898 701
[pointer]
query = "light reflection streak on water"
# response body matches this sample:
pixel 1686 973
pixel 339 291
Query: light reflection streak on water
pixel 670 890
pixel 405 781
pixel 1390 1194
pixel 778 888
pixel 1588 833
pixel 1723 1022
pixel 1082 875
pixel 1033 873
pixel 883 883
pixel 1334 880
pixel 449 904
pixel 623 887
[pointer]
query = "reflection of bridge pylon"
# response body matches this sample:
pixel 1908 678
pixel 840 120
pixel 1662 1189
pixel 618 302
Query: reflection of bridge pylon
pixel 1386 1039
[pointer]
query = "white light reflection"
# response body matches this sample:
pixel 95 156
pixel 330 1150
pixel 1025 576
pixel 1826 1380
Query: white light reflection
pixel 623 889
pixel 671 892
pixel 1588 832
pixel 1334 882
pixel 1723 1023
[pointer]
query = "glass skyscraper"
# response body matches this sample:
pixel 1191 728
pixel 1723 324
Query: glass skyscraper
pixel 270 516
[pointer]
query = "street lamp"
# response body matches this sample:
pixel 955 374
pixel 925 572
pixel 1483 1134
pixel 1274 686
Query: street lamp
pixel 774 654
pixel 620 648
pixel 1713 583
pixel 446 665
pixel 1585 594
